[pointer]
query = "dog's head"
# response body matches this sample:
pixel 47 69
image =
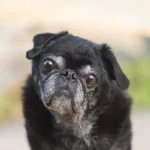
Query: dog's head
pixel 70 73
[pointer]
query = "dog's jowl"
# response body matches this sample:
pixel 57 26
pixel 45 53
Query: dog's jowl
pixel 75 97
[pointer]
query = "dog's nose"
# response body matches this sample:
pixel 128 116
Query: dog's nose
pixel 69 74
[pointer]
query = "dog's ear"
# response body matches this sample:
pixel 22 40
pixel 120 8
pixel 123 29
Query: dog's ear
pixel 40 39
pixel 40 42
pixel 113 68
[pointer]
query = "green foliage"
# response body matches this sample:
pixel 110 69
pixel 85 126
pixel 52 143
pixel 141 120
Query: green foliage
pixel 4 108
pixel 10 105
pixel 138 71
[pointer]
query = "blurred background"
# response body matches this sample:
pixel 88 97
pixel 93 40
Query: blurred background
pixel 124 25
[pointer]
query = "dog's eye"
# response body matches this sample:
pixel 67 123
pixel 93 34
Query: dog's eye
pixel 48 64
pixel 91 79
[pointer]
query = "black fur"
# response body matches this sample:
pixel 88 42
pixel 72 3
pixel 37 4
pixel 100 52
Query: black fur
pixel 112 128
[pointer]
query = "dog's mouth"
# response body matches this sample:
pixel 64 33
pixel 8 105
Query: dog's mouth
pixel 65 93
pixel 61 102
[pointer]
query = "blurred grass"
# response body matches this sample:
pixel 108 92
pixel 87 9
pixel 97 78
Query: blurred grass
pixel 10 105
pixel 137 70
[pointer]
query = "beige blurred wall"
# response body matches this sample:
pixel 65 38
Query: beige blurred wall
pixel 121 24
pixel 113 21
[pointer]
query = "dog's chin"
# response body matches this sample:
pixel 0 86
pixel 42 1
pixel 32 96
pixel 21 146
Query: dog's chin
pixel 63 107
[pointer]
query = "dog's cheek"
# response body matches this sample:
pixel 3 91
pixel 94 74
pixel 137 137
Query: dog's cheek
pixel 79 101
pixel 38 86
pixel 50 86
pixel 79 95
pixel 92 102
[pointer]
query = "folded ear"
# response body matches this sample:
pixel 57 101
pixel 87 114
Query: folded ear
pixel 113 68
pixel 40 41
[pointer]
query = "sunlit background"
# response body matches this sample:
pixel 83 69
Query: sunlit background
pixel 123 24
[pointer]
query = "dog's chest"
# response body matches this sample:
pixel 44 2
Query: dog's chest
pixel 66 144
pixel 71 143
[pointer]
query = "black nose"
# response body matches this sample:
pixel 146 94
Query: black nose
pixel 69 74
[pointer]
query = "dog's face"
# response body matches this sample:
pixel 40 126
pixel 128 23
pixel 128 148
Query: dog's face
pixel 70 73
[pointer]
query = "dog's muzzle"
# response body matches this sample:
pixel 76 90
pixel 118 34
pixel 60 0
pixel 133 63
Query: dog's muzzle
pixel 63 84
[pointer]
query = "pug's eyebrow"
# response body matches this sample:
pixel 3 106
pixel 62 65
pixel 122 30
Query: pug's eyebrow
pixel 85 69
pixel 60 61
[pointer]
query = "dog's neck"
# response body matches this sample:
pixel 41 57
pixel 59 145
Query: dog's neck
pixel 80 128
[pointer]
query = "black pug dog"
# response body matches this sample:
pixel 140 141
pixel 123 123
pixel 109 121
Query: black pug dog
pixel 75 98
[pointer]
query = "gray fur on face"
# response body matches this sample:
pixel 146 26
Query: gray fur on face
pixel 85 69
pixel 68 108
pixel 58 60
pixel 61 99
pixel 49 86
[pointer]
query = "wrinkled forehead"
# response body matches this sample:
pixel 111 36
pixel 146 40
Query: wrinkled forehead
pixel 71 52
